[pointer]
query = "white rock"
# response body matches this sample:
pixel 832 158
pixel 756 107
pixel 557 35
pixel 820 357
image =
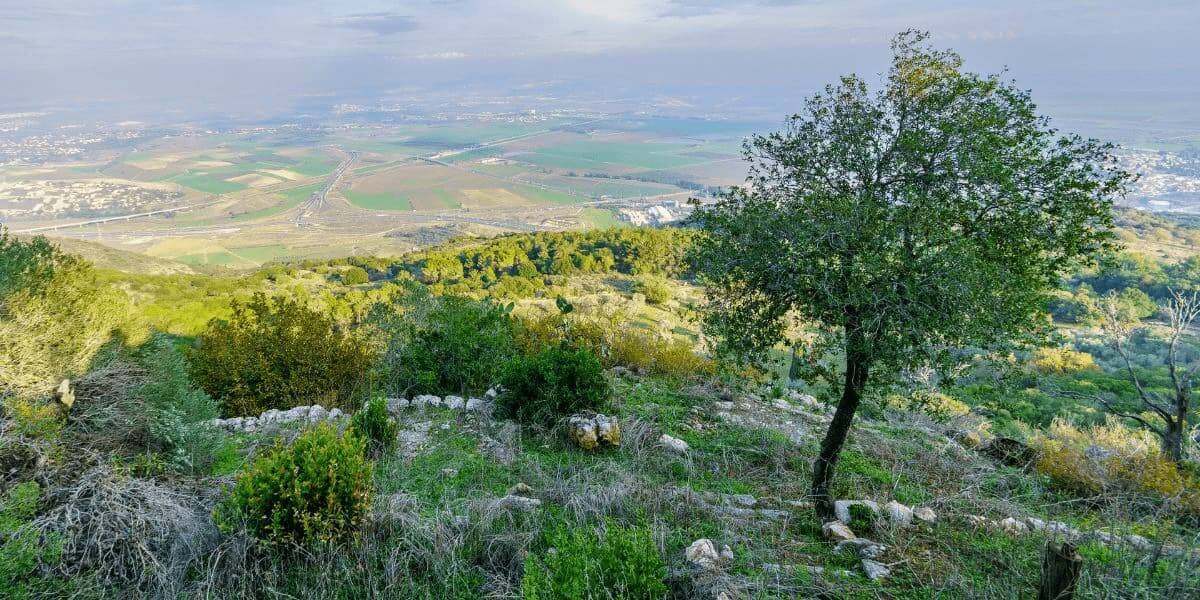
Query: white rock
pixel 673 443
pixel 1035 524
pixel 726 553
pixel 703 554
pixel 396 405
pixel 841 508
pixel 474 404
pixel 836 531
pixel 925 514
pixel 518 503
pixel 875 571
pixel 449 473
pixel 898 514
pixel 1138 542
pixel 1060 528
pixel 723 406
pixel 1012 526
pixel 454 402
pixel 862 547
pixel 491 394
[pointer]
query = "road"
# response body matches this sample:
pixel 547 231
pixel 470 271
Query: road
pixel 316 202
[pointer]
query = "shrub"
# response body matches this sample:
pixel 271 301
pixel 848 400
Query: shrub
pixel 1062 361
pixel 621 563
pixel 355 276
pixel 278 353
pixel 318 489
pixel 54 315
pixel 552 384
pixel 655 289
pixel 447 344
pixel 179 411
pixel 22 549
pixel 938 406
pixel 1109 458
pixel 373 425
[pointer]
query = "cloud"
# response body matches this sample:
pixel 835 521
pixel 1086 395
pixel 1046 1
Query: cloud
pixel 442 56
pixel 379 23
pixel 700 8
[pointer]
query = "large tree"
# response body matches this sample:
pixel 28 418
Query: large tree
pixel 933 213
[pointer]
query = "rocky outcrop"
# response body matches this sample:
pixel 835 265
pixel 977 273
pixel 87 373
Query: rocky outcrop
pixel 673 444
pixel 594 431
pixel 474 405
pixel 275 418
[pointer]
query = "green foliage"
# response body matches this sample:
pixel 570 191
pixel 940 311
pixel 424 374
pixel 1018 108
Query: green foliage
pixel 372 424
pixel 878 250
pixel 318 489
pixel 511 266
pixel 552 384
pixel 22 548
pixel 179 411
pixel 54 316
pixel 655 289
pixel 937 405
pixel 622 563
pixel 445 344
pixel 278 353
pixel 355 276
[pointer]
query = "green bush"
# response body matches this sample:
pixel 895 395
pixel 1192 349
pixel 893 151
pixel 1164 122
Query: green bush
pixel 180 412
pixel 655 289
pixel 623 563
pixel 22 549
pixel 355 276
pixel 373 425
pixel 318 489
pixel 278 353
pixel 54 315
pixel 447 345
pixel 553 384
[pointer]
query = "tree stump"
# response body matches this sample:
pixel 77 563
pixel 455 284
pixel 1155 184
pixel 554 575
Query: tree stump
pixel 1061 567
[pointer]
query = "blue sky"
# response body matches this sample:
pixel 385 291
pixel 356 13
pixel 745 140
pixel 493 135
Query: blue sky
pixel 265 53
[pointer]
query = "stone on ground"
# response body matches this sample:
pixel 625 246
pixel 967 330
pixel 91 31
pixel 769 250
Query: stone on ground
pixel 836 531
pixel 673 443
pixel 703 555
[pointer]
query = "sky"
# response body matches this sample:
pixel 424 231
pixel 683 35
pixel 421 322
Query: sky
pixel 269 56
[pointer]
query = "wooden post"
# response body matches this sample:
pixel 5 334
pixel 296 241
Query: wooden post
pixel 1061 567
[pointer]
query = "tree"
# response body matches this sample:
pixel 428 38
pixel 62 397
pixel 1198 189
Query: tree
pixel 939 211
pixel 355 276
pixel 1170 411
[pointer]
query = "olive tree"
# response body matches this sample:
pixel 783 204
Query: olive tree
pixel 936 212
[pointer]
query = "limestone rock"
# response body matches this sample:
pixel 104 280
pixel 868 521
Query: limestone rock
pixel 582 431
pixel 836 531
pixel 841 508
pixel 898 514
pixel 1035 524
pixel 726 553
pixel 876 571
pixel 925 514
pixel 1012 526
pixel 608 430
pixel 453 402
pixel 519 503
pixel 474 405
pixel 449 473
pixel 673 444
pixel 395 405
pixel 65 395
pixel 491 394
pixel 703 555
pixel 862 547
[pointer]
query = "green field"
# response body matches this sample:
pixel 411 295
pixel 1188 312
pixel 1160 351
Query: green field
pixel 546 196
pixel 222 259
pixel 208 183
pixel 292 198
pixel 597 155
pixel 599 217
pixel 380 201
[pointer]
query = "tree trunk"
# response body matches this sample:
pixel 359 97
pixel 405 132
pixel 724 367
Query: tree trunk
pixel 857 364
pixel 1172 439
pixel 1061 567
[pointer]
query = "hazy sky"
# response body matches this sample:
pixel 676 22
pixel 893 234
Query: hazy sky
pixel 256 55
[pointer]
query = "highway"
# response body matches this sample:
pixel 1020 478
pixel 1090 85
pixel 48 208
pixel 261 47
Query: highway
pixel 316 201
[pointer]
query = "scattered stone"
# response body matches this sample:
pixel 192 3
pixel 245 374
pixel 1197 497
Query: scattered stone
pixel 1035 524
pixel 841 508
pixel 608 431
pixel 976 520
pixel 395 405
pixel 898 514
pixel 723 406
pixel 582 431
pixel 673 444
pixel 474 405
pixel 491 394
pixel 703 555
pixel 449 473
pixel 925 514
pixel 454 402
pixel 836 531
pixel 520 489
pixel 300 414
pixel 1012 526
pixel 876 571
pixel 1138 542
pixel 726 553
pixel 862 547
pixel 1060 528
pixel 520 503
pixel 65 396
pixel 745 500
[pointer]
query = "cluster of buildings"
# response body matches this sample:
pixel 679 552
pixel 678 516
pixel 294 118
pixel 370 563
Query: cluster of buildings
pixel 79 197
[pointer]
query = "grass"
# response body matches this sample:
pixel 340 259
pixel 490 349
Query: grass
pixel 207 183
pixel 600 218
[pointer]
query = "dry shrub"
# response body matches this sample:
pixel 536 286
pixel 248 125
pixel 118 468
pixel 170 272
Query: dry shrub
pixel 1113 458
pixel 611 337
pixel 130 533
pixel 938 406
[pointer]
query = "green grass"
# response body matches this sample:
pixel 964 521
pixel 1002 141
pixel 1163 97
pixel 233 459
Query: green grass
pixel 546 196
pixel 379 201
pixel 207 183
pixel 313 166
pixel 292 198
pixel 222 258
pixel 261 254
pixel 599 217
